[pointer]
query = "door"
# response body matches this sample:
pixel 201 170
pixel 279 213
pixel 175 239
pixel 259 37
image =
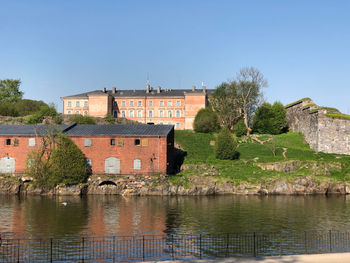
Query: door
pixel 7 165
pixel 112 165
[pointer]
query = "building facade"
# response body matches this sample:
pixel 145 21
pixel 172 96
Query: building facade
pixel 108 149
pixel 158 106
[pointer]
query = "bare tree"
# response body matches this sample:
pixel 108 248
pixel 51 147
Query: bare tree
pixel 249 83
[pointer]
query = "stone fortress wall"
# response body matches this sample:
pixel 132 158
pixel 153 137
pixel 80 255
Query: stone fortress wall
pixel 323 132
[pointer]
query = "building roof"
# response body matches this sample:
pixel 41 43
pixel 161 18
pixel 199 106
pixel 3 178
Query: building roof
pixel 142 93
pixel 120 130
pixel 75 130
pixel 32 130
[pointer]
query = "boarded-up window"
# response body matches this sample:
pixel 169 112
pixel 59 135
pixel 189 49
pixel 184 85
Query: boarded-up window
pixel 7 165
pixel 112 165
pixel 87 142
pixel 120 142
pixel 137 164
pixel 144 142
pixel 31 142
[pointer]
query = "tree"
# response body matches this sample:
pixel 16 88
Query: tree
pixel 9 90
pixel 225 104
pixel 206 120
pixel 240 129
pixel 270 119
pixel 45 111
pixel 250 82
pixel 226 145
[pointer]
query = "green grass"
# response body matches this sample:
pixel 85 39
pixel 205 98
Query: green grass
pixel 199 151
pixel 296 102
pixel 338 116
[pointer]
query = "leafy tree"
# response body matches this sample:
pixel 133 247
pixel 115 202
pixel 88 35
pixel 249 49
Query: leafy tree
pixel 9 90
pixel 270 119
pixel 68 162
pixel 26 107
pixel 109 118
pixel 80 119
pixel 240 129
pixel 45 111
pixel 206 120
pixel 226 145
pixel 225 104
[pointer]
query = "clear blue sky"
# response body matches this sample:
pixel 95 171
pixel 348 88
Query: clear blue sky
pixel 64 47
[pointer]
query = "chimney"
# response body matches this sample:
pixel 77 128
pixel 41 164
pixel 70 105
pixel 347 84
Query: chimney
pixel 158 89
pixel 104 90
pixel 114 90
pixel 204 88
pixel 148 87
pixel 193 88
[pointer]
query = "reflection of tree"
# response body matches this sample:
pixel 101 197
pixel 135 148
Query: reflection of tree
pixel 49 217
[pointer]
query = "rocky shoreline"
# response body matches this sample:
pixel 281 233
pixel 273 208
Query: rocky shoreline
pixel 160 185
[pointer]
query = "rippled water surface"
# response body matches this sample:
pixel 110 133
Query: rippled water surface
pixel 109 215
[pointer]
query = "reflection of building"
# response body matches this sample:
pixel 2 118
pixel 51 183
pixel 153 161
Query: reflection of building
pixel 110 149
pixel 159 106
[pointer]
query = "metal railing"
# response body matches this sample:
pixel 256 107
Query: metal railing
pixel 152 247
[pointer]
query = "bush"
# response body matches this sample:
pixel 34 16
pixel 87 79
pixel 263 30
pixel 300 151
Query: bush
pixel 206 120
pixel 226 145
pixel 239 128
pixel 39 116
pixel 270 119
pixel 80 119
pixel 109 118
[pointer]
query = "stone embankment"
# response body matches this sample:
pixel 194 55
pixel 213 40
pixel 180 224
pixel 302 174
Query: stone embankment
pixel 199 185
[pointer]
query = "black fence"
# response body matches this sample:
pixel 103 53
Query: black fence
pixel 138 248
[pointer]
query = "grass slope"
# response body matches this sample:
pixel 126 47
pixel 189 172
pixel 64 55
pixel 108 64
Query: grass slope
pixel 199 151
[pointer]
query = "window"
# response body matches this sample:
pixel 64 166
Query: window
pixel 178 114
pixel 87 142
pixel 178 103
pixel 123 103
pixel 69 104
pixel 123 113
pixel 150 113
pixel 131 103
pixel 161 103
pixel 112 141
pixel 137 164
pixel 137 142
pixel 15 142
pixel 77 112
pixel 88 163
pixel 161 113
pixel 120 142
pixel 8 141
pixel 139 103
pixel 86 103
pixel 69 112
pixel 177 126
pixel 131 114
pixel 77 103
pixel 150 103
pixel 170 103
pixel 85 112
pixel 144 142
pixel 170 114
pixel 31 142
pixel 139 113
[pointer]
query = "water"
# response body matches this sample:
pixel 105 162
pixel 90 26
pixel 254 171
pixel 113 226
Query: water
pixel 36 216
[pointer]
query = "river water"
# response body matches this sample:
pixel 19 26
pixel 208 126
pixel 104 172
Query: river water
pixel 35 216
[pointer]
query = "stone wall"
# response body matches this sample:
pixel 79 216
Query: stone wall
pixel 322 133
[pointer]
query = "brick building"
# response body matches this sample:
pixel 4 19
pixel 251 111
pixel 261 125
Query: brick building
pixel 108 149
pixel 158 106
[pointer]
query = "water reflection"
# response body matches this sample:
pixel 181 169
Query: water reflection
pixel 110 215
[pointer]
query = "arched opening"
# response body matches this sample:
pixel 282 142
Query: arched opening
pixel 107 183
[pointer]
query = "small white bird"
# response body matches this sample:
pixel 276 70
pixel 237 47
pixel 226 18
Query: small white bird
pixel 64 203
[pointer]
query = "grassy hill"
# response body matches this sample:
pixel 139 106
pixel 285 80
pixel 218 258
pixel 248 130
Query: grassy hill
pixel 258 162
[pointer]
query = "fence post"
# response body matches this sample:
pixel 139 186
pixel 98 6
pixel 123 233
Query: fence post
pixel 330 240
pixel 143 248
pixel 254 247
pixel 200 246
pixel 51 245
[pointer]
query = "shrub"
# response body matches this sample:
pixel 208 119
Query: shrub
pixel 45 111
pixel 270 119
pixel 226 145
pixel 80 119
pixel 206 120
pixel 239 128
pixel 109 118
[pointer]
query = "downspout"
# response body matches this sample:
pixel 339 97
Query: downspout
pixel 159 154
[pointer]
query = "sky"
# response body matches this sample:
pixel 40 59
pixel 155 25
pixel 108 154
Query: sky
pixel 63 47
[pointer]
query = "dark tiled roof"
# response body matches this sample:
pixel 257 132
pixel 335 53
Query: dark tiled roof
pixel 120 130
pixel 142 93
pixel 31 130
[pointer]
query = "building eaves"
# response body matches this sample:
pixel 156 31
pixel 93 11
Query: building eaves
pixel 32 130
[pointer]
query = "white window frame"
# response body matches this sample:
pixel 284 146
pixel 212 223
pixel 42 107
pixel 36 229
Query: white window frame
pixel 31 142
pixel 178 114
pixel 161 113
pixel 139 103
pixel 161 103
pixel 69 112
pixel 77 112
pixel 123 114
pixel 137 164
pixel 178 103
pixel 170 113
pixel 170 103
pixel 139 114
pixel 131 103
pixel 150 114
pixel 150 103
pixel 86 103
pixel 123 103
pixel 85 113
pixel 77 104
pixel 131 113
pixel 177 125
pixel 87 142
pixel 69 104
